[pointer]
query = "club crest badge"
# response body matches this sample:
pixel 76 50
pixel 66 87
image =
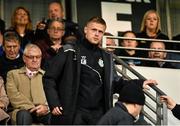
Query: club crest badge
pixel 101 63
pixel 83 60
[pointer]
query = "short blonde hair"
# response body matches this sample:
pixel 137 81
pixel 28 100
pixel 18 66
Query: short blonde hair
pixel 143 27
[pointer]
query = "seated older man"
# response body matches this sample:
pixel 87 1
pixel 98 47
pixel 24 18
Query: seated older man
pixel 25 90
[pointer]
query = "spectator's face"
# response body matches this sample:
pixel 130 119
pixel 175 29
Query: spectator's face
pixel 94 32
pixel 151 21
pixel 11 48
pixel 32 59
pixel 155 54
pixel 55 11
pixel 56 30
pixel 21 17
pixel 110 42
pixel 128 42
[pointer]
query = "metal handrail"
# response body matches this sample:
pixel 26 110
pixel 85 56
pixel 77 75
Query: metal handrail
pixel 144 49
pixel 148 59
pixel 141 39
pixel 137 74
pixel 160 118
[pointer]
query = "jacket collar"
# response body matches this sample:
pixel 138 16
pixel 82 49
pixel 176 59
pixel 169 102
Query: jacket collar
pixel 89 45
pixel 23 70
pixel 124 108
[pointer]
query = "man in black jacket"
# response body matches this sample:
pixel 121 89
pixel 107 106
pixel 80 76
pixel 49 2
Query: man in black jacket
pixel 55 11
pixel 79 81
pixel 127 108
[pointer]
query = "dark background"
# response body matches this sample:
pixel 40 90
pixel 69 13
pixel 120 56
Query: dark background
pixel 89 8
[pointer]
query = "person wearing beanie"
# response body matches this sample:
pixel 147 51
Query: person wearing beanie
pixel 127 108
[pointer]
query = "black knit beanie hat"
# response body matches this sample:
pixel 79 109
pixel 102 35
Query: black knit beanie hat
pixel 132 93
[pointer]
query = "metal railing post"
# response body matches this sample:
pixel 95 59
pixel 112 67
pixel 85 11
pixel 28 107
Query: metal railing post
pixel 161 110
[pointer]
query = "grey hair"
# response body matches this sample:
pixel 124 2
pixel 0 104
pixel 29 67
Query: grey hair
pixel 30 46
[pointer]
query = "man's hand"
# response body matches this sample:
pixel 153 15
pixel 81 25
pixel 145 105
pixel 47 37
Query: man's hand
pixel 40 110
pixel 57 111
pixel 149 82
pixel 40 25
pixel 169 101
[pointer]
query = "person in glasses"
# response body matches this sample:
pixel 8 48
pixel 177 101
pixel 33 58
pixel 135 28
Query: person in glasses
pixel 50 46
pixel 25 90
pixel 12 56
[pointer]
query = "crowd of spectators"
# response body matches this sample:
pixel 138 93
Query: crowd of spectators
pixel 33 60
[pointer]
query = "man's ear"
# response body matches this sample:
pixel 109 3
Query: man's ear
pixel 85 29
pixel 48 31
pixel 63 14
pixel 63 32
pixel 23 58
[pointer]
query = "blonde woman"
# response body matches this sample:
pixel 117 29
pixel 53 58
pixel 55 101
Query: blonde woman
pixel 151 29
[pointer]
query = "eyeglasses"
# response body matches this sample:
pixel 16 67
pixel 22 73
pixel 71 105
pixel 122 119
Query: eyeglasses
pixel 56 29
pixel 32 57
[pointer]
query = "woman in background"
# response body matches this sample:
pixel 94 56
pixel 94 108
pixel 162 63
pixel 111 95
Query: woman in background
pixel 151 29
pixel 21 23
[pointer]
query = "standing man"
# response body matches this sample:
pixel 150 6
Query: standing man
pixel 55 11
pixel 25 90
pixel 79 82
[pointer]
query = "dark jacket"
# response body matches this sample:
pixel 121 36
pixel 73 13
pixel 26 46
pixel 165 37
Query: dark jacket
pixel 117 115
pixel 47 51
pixel 176 111
pixel 146 44
pixel 2 26
pixel 129 61
pixel 28 37
pixel 7 65
pixel 155 64
pixel 62 78
pixel 176 46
